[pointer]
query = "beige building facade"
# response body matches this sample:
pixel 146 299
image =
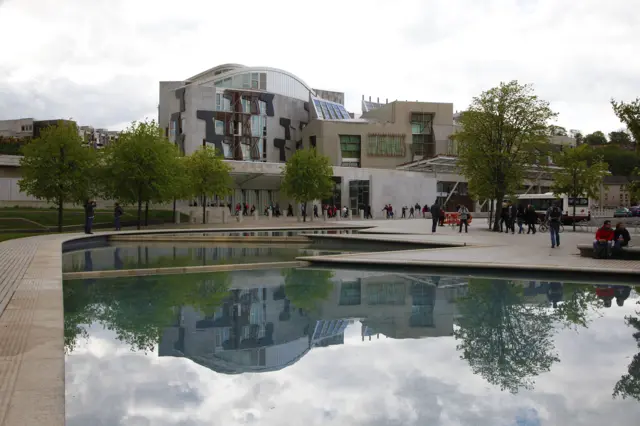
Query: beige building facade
pixel 384 137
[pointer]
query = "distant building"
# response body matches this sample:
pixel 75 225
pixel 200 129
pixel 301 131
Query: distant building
pixel 614 192
pixel 28 128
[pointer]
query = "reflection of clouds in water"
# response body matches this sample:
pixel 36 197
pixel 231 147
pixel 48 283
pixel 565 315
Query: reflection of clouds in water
pixel 382 382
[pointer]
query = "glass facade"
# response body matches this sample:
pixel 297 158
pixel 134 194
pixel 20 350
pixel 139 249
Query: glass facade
pixel 385 145
pixel 358 195
pixel 422 141
pixel 330 110
pixel 253 80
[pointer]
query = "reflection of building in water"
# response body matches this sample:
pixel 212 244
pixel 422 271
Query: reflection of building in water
pixel 254 330
pixel 395 305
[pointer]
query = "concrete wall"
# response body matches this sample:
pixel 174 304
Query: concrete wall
pixel 168 103
pixel 13 128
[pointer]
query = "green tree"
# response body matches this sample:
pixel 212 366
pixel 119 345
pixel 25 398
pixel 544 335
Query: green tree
pixel 57 168
pixel 503 339
pixel 577 135
pixel 620 138
pixel 141 167
pixel 208 175
pixel 305 287
pixel 595 138
pixel 621 161
pixel 629 114
pixel 576 177
pixel 307 176
pixel 557 131
pixel 503 132
pixel 634 185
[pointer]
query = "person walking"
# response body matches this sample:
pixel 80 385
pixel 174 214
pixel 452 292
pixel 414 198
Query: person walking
pixel 463 211
pixel 411 210
pixel 435 216
pixel 513 216
pixel 404 212
pixel 554 215
pixel 532 219
pixel 521 215
pixel 89 212
pixel 117 213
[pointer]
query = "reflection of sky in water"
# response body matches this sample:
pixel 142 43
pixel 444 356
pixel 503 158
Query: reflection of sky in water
pixel 356 380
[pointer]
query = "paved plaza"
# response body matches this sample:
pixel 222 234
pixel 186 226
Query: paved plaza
pixel 31 299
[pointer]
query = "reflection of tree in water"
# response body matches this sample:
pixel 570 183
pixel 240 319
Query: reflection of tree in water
pixel 306 287
pixel 138 308
pixel 629 384
pixel 505 341
pixel 579 302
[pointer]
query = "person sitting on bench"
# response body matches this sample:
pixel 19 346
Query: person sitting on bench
pixel 621 236
pixel 604 240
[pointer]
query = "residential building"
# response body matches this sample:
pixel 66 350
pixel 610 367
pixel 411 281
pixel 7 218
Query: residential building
pixel 614 192
pixel 26 127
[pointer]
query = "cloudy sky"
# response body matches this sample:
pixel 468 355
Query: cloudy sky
pixel 100 61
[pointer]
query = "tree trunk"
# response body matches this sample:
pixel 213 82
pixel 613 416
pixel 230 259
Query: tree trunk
pixel 146 214
pixel 490 213
pixel 574 215
pixel 174 210
pixel 60 214
pixel 139 213
pixel 496 222
pixel 204 209
pixel 304 211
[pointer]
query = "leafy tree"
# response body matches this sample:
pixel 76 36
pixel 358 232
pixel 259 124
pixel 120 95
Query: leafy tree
pixel 141 167
pixel 502 339
pixel 557 131
pixel 629 114
pixel 595 138
pixel 305 287
pixel 576 177
pixel 621 161
pixel 208 175
pixel 629 384
pixel 577 135
pixel 634 186
pixel 503 132
pixel 57 168
pixel 620 138
pixel 307 176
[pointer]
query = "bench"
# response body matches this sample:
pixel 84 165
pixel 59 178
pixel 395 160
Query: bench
pixel 631 252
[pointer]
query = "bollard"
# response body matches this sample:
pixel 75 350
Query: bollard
pixel 270 213
pixel 239 217
pixel 225 215
pixel 255 215
pixel 362 214
pixel 192 217
pixel 349 214
pixel 324 215
pixel 177 221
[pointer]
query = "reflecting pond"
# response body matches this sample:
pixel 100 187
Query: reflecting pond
pixel 323 347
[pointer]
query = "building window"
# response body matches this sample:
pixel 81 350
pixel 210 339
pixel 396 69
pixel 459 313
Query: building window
pixel 255 80
pixel 385 145
pixel 350 146
pixel 350 294
pixel 220 127
pixel 312 141
pixel 246 105
pixel 422 140
pixel 263 81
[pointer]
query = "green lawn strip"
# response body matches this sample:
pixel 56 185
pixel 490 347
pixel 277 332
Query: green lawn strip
pixel 5 237
pixel 13 218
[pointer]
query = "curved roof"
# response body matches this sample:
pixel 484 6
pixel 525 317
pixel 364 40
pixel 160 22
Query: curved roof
pixel 240 69
pixel 213 70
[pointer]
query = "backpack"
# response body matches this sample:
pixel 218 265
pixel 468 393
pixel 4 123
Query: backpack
pixel 555 213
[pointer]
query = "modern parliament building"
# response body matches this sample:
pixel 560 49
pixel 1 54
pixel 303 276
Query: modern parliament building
pixel 397 153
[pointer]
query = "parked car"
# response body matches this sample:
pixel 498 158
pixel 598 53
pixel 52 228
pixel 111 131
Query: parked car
pixel 635 211
pixel 622 212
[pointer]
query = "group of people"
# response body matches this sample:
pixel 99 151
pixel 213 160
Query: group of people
pixel 608 239
pixel 522 215
pixel 89 215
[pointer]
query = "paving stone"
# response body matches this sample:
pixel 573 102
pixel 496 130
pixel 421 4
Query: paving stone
pixel 35 408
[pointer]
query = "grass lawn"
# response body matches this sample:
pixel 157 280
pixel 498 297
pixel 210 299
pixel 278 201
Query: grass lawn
pixel 5 237
pixel 42 219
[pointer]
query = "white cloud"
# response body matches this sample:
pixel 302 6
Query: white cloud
pixel 108 55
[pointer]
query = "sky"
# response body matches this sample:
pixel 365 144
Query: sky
pixel 99 62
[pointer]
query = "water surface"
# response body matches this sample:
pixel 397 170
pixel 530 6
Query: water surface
pixel 318 347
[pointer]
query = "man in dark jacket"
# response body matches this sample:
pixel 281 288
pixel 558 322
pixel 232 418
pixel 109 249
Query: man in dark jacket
pixel 89 212
pixel 435 216
pixel 621 236
pixel 117 213
pixel 532 219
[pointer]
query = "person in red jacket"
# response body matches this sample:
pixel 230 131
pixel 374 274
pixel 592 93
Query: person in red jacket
pixel 604 237
pixel 605 293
